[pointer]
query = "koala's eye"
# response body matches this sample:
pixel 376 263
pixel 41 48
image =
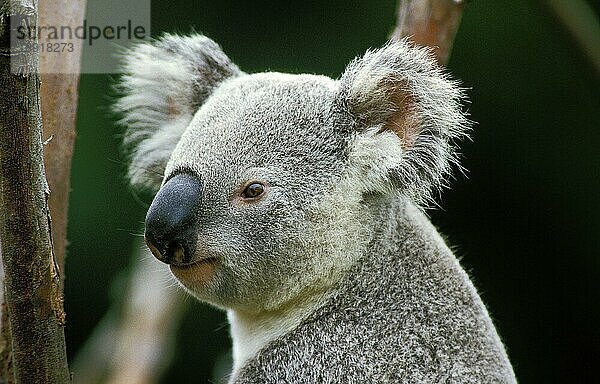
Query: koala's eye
pixel 254 190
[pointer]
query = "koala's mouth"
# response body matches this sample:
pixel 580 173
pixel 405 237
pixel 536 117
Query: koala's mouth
pixel 197 273
pixel 193 263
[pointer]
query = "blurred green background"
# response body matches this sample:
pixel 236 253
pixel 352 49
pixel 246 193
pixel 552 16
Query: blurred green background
pixel 525 218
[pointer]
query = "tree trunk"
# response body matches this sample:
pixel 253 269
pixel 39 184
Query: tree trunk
pixel 32 281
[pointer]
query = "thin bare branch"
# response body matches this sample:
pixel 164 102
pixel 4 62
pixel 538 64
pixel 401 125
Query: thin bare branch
pixel 134 345
pixel 582 23
pixel 431 23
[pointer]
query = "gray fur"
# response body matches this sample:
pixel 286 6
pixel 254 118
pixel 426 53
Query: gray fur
pixel 406 313
pixel 163 85
pixel 334 276
pixel 399 70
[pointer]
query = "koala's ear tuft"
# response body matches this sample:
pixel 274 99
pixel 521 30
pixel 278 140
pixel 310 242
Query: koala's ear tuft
pixel 164 83
pixel 406 116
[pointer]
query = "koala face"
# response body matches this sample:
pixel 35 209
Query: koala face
pixel 263 150
pixel 263 177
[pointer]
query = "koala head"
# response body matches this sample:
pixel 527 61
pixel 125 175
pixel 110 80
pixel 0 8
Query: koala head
pixel 268 183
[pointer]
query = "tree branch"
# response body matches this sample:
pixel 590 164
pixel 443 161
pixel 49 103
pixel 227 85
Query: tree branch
pixel 32 282
pixel 59 96
pixel 431 23
pixel 582 23
pixel 134 345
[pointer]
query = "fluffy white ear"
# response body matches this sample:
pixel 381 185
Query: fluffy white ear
pixel 164 83
pixel 406 116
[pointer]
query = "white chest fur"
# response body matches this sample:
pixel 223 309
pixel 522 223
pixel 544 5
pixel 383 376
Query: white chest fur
pixel 253 331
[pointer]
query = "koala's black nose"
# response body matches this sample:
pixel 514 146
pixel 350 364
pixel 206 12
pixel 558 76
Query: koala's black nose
pixel 171 221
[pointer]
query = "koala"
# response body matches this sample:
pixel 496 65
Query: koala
pixel 295 203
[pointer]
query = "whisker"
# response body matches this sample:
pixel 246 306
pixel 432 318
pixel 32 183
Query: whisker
pixel 136 166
